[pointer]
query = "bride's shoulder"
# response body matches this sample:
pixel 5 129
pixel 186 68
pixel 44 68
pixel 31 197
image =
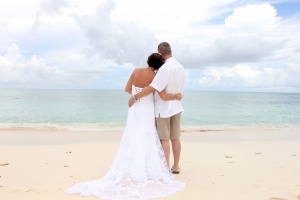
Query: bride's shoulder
pixel 140 70
pixel 137 70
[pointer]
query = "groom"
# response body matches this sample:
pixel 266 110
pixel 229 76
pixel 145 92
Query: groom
pixel 170 77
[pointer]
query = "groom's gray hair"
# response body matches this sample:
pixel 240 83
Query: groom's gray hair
pixel 164 48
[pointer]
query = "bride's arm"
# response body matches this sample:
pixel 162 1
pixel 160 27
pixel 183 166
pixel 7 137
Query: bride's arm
pixel 129 84
pixel 166 97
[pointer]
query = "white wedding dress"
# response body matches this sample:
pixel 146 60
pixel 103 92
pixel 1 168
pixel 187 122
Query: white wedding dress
pixel 139 170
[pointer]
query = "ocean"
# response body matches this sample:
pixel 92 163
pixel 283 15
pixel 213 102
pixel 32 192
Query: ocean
pixel 98 110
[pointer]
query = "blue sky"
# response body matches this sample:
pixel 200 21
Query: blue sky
pixel 224 45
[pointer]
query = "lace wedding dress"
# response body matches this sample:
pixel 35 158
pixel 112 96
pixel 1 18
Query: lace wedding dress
pixel 139 170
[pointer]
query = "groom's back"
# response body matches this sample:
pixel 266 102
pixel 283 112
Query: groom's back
pixel 176 77
pixel 171 77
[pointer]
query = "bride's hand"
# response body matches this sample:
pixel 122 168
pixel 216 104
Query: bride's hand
pixel 130 102
pixel 179 96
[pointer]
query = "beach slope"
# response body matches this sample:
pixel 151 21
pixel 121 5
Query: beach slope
pixel 228 165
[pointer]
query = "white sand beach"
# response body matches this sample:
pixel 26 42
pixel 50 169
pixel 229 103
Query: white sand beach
pixel 228 165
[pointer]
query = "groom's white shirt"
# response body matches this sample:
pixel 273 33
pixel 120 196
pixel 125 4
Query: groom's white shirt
pixel 170 76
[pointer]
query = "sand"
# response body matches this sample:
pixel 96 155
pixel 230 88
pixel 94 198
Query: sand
pixel 215 165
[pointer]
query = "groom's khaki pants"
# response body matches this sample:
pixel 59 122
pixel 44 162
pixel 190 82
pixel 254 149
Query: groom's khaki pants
pixel 168 128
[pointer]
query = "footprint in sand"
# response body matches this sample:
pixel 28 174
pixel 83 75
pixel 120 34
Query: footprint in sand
pixel 4 164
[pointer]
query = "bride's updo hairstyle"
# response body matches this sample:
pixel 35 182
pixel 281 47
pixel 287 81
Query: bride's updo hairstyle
pixel 155 60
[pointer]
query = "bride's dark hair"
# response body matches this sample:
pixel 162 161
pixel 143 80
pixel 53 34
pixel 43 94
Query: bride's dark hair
pixel 155 60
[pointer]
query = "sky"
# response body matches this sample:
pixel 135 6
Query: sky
pixel 224 45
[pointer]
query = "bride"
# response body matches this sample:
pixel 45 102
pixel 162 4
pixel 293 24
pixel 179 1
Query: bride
pixel 139 170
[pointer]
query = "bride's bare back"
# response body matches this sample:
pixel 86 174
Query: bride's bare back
pixel 140 77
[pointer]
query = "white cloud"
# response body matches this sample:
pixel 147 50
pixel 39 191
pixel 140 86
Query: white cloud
pixel 16 70
pixel 54 6
pixel 244 37
pixel 231 42
pixel 252 18
pixel 294 73
pixel 120 42
pixel 227 51
pixel 245 76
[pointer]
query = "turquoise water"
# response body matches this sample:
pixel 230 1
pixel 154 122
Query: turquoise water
pixel 238 109
pixel 96 110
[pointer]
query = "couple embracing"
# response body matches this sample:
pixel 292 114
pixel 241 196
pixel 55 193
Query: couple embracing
pixel 140 169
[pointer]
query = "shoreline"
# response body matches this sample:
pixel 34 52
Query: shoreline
pixel 228 164
pixel 46 136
